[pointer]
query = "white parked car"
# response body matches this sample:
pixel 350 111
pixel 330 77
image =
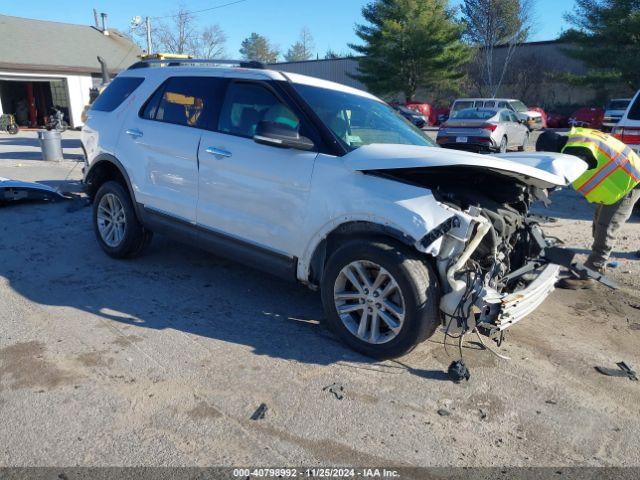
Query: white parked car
pixel 484 130
pixel 613 112
pixel 327 185
pixel 531 118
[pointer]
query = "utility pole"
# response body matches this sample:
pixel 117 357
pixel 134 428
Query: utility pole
pixel 148 24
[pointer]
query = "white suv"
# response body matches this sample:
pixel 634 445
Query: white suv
pixel 327 185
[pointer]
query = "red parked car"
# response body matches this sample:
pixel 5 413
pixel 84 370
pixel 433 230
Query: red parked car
pixel 557 120
pixel 589 117
pixel 424 109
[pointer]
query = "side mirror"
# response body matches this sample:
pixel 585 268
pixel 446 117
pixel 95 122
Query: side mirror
pixel 282 136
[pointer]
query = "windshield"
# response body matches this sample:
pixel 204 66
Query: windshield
pixel 518 106
pixel 358 120
pixel 618 105
pixel 473 114
pixel 461 105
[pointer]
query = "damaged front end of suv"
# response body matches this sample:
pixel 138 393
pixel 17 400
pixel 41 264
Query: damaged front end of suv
pixel 492 255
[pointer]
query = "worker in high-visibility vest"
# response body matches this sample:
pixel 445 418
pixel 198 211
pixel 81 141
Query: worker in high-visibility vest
pixel 610 182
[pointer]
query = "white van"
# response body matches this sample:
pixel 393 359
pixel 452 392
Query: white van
pixel 532 119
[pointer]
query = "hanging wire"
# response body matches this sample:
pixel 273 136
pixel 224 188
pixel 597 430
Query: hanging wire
pixel 198 11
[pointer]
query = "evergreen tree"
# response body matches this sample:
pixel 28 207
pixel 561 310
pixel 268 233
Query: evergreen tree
pixel 606 37
pixel 409 44
pixel 302 49
pixel 257 47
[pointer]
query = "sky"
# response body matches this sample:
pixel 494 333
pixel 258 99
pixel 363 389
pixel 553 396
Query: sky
pixel 331 21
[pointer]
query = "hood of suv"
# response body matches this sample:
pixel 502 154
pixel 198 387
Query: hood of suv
pixel 540 169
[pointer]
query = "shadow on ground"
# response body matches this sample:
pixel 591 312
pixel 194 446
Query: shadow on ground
pixel 50 256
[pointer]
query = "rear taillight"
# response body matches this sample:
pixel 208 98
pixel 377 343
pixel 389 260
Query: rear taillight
pixel 489 126
pixel 627 135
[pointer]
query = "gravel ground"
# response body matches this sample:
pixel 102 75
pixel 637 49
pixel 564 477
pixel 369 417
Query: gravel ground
pixel 163 360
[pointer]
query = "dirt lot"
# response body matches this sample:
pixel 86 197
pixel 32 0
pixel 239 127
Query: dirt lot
pixel 163 360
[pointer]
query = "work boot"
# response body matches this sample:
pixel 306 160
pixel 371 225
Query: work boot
pixel 576 283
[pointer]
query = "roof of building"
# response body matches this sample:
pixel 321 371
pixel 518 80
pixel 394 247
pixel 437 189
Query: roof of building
pixel 38 45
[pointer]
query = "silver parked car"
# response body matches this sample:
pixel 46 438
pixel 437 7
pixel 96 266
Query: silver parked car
pixel 484 130
pixel 532 119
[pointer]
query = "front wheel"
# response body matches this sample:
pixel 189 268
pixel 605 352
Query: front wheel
pixel 525 143
pixel 380 298
pixel 13 129
pixel 117 228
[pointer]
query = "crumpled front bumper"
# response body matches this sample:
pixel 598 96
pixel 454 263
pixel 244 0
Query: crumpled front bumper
pixel 515 306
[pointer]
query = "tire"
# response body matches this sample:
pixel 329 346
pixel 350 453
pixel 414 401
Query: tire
pixel 13 129
pixel 416 293
pixel 128 238
pixel 503 145
pixel 525 143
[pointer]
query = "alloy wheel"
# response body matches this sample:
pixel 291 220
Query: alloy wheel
pixel 369 302
pixel 503 145
pixel 112 220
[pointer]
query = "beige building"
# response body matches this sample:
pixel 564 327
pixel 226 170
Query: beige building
pixel 45 64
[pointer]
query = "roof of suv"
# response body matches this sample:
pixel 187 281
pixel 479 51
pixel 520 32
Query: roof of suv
pixel 240 72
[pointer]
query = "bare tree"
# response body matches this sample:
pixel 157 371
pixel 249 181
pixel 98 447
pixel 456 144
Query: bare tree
pixel 302 49
pixel 493 23
pixel 209 43
pixel 181 34
pixel 178 35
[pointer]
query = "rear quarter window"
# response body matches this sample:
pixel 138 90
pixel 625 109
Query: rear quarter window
pixel 116 93
pixel 187 101
pixel 634 111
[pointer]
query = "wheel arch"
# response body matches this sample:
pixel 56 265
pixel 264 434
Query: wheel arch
pixel 312 270
pixel 107 168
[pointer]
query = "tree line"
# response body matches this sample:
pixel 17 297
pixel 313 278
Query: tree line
pixel 180 33
pixel 411 45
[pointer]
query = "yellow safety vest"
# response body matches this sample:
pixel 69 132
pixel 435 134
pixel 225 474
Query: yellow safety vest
pixel 617 172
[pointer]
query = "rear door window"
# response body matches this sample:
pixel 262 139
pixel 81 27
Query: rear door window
pixel 116 93
pixel 247 104
pixel 505 117
pixel 187 101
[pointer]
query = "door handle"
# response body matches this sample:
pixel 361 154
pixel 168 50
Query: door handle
pixel 133 132
pixel 218 152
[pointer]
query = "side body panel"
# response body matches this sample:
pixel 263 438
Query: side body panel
pixel 340 195
pixel 258 194
pixel 163 164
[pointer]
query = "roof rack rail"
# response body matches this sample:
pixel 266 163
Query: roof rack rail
pixel 193 62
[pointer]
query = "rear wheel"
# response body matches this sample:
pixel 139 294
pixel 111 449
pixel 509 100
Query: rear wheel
pixel 117 228
pixel 503 145
pixel 379 298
